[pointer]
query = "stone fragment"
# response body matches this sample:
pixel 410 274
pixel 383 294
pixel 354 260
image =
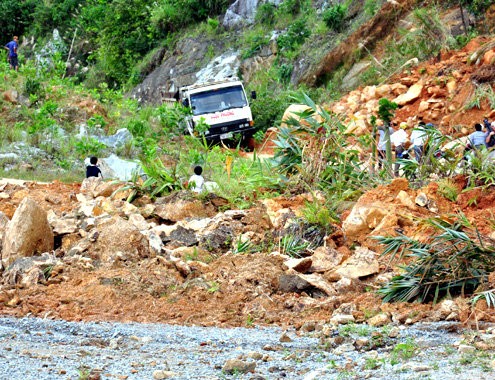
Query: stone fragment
pixel 119 235
pixel 421 200
pixel 325 259
pixel 343 348
pixel 28 233
pixel 342 319
pixel 240 366
pixel 364 218
pixel 465 348
pixel 410 96
pixel 182 209
pixel 289 283
pixel 285 338
pixel 406 200
pixel 362 263
pixel 161 374
pixel 381 319
pixel 299 265
pixel 11 96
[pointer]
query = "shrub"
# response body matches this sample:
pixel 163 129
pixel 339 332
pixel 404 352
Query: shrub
pixel 265 14
pixel 292 7
pixel 33 87
pixel 334 17
pixel 89 146
pixel 254 45
pixel 138 128
pixel 296 34
pixel 285 72
pixel 454 261
pixel 269 107
pixel 448 189
pixel 314 147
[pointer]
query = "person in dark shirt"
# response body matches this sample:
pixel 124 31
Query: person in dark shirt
pixel 93 170
pixel 12 47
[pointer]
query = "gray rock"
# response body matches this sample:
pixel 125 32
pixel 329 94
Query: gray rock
pixel 186 237
pixel 120 138
pixel 421 200
pixel 240 13
pixel 29 271
pixel 219 239
pixel 28 233
pixel 289 283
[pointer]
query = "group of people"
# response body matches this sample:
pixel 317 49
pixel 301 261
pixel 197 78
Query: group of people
pixel 196 182
pixel 12 48
pixel 483 137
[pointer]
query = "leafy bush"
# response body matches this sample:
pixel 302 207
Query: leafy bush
pixel 483 92
pixel 455 261
pixel 334 17
pixel 138 128
pixel 269 107
pixel 296 34
pixel 285 72
pixel 447 188
pixel 385 110
pixel 292 7
pixel 477 6
pixel 293 246
pixel 254 45
pixel 315 148
pixel 265 14
pixel 371 7
pixel 172 15
pixel 17 16
pixel 89 146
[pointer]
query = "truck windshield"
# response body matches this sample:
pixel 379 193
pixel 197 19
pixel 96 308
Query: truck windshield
pixel 218 100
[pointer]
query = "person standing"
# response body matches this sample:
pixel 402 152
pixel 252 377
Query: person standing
pixel 382 142
pixel 398 139
pixel 12 47
pixel 418 139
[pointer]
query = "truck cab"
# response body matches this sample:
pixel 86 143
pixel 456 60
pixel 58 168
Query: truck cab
pixel 224 107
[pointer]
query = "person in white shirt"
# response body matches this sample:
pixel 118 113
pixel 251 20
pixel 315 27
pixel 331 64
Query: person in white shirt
pixel 197 181
pixel 418 139
pixel 398 139
pixel 382 143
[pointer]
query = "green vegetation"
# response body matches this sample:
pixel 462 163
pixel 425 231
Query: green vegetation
pixel 334 17
pixel 118 42
pixel 455 261
pixel 403 351
pixel 448 189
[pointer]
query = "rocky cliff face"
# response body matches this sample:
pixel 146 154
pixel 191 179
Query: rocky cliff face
pixel 319 57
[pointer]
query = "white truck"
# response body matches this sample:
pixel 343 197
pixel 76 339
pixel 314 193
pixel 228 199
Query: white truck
pixel 224 107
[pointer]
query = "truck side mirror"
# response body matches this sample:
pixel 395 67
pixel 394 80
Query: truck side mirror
pixel 253 94
pixel 185 102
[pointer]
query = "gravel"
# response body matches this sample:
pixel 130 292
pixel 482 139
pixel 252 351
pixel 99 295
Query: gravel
pixel 33 348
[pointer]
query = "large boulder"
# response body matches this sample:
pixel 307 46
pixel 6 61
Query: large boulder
pixel 411 95
pixel 28 233
pixel 240 13
pixel 119 240
pixel 364 218
pixel 179 209
pixel 292 111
